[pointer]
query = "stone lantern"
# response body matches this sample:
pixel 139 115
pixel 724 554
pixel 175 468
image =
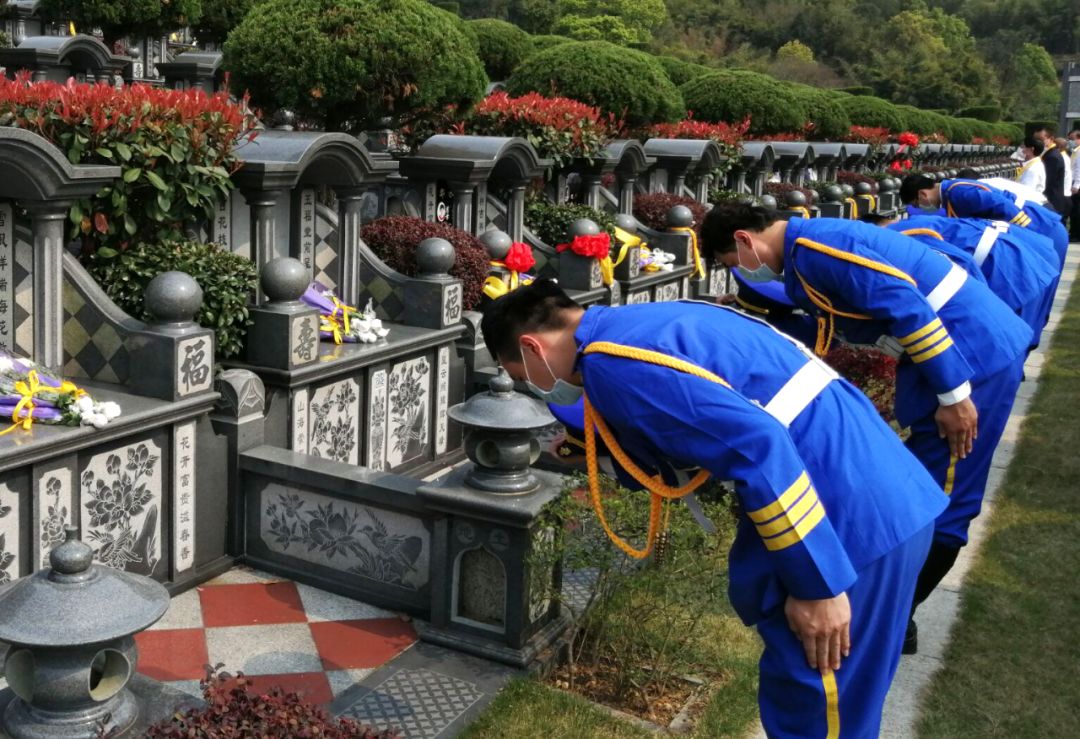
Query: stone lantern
pixel 487 597
pixel 72 655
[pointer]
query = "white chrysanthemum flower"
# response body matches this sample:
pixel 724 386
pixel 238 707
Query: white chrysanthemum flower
pixel 6 365
pixel 85 405
pixel 99 420
pixel 110 410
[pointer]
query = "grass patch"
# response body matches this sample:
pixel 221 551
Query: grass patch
pixel 1012 667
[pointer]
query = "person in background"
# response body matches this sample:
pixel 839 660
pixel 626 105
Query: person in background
pixel 1033 173
pixel 1055 172
pixel 1074 220
pixel 1062 147
pixel 1033 196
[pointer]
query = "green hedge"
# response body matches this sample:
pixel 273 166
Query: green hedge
pixel 348 69
pixel 862 90
pixel 872 111
pixel 680 72
pixel 617 80
pixel 830 119
pixel 546 41
pixel 988 113
pixel 502 46
pixel 730 96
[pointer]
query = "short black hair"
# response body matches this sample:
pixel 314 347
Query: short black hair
pixel 540 306
pixel 875 219
pixel 967 173
pixel 1037 146
pixel 909 188
pixel 720 224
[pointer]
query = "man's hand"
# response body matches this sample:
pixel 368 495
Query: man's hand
pixel 824 628
pixel 959 423
pixel 726 299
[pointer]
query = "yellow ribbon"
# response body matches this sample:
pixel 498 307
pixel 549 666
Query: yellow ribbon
pixel 695 253
pixel 339 306
pixel 28 389
pixel 495 287
pixel 645 254
pixel 873 201
pixel 329 323
pixel 607 271
pixel 854 207
pixel 627 242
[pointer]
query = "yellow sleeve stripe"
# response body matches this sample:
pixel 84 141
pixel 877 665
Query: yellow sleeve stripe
pixel 933 352
pixel 1017 218
pixel 653 357
pixel 855 259
pixel 923 232
pixel 797 534
pixel 783 503
pixel 787 520
pixel 930 340
pixel 916 335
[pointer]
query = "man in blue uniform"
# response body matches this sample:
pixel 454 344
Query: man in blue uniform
pixel 974 199
pixel 1020 266
pixel 828 549
pixel 960 348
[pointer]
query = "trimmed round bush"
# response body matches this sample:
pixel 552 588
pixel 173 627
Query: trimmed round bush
pixel 502 46
pixel 861 90
pixel 543 42
pixel 871 111
pixel 550 222
pixel 395 238
pixel 830 119
pixel 988 113
pixel 630 84
pixel 349 68
pixel 730 96
pixel 919 121
pixel 680 72
pixel 1011 131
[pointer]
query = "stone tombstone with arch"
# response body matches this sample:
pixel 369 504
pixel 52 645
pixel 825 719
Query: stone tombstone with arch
pixel 683 166
pixel 754 166
pixel 60 58
pixel 160 373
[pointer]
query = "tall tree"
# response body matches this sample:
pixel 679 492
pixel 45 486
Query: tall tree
pixel 121 18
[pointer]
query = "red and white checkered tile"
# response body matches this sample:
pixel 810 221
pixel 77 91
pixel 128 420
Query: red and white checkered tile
pixel 276 631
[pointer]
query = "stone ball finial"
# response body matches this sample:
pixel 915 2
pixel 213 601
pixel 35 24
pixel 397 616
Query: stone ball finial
pixel 435 256
pixel 582 227
pixel 887 185
pixel 497 243
pixel 502 383
pixel 849 191
pixel 769 202
pixel 814 197
pixel 679 216
pixel 627 222
pixel 863 188
pixel 73 556
pixel 173 297
pixel 284 279
pixel 796 199
pixel 833 194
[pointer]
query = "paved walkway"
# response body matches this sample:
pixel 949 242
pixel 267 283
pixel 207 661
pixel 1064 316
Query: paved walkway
pixel 938 614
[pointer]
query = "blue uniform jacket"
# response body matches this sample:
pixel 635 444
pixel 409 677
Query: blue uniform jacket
pixel 1019 265
pixel 974 199
pixel 814 512
pixel 871 283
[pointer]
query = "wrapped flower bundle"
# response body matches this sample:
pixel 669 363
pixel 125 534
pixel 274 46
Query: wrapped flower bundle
pixel 29 394
pixel 341 322
pixel 656 260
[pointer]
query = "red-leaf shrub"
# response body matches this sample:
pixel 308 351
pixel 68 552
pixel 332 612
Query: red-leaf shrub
pixel 726 134
pixel 395 238
pixel 175 148
pixel 235 709
pixel 868 135
pixel 779 190
pixel 871 371
pixel 559 128
pixel 651 210
pixel 847 177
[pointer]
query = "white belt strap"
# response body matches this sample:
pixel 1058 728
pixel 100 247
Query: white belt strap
pixel 986 243
pixel 949 286
pixel 1021 201
pixel 799 391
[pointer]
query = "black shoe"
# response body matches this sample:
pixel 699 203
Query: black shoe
pixel 911 639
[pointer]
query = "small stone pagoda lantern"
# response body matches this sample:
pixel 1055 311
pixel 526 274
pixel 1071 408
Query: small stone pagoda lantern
pixel 70 628
pixel 487 599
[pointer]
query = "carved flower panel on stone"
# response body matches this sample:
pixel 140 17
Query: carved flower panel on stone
pixel 386 546
pixel 410 399
pixel 121 496
pixel 334 421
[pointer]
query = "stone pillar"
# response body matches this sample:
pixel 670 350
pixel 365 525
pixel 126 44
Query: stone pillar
pixel 463 205
pixel 515 212
pixel 592 190
pixel 480 208
pixel 350 205
pixel 49 229
pixel 701 189
pixel 263 227
pixel 239 417
pixel 626 194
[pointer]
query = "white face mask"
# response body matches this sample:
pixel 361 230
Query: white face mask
pixel 561 392
pixel 761 273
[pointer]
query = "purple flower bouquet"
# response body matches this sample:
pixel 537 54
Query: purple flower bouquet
pixel 29 394
pixel 343 323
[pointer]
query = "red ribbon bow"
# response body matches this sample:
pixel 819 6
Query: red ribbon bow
pixel 597 246
pixel 519 258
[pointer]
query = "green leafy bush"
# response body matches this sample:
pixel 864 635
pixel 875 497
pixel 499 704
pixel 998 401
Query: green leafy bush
pixel 728 95
pixel 628 83
pixel 502 46
pixel 176 150
pixel 120 18
pixel 871 111
pixel 551 222
pixel 988 113
pixel 829 119
pixel 350 63
pixel 219 17
pixel 544 42
pixel 862 90
pixel 680 72
pixel 227 280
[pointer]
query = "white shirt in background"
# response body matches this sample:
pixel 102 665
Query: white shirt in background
pixel 1034 175
pixel 1012 186
pixel 1069 179
pixel 1076 171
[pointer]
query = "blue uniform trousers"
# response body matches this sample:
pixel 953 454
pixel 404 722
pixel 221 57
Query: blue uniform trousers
pixel 965 481
pixel 796 701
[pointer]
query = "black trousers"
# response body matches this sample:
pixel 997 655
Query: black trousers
pixel 1074 218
